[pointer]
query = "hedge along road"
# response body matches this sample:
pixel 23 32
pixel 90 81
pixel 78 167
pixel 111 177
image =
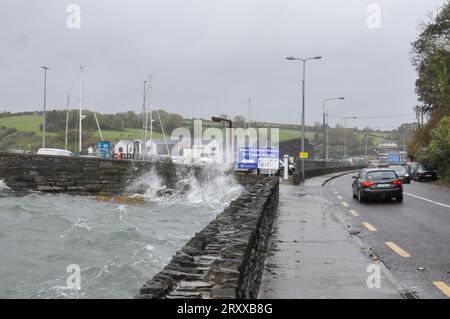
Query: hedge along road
pixel 411 238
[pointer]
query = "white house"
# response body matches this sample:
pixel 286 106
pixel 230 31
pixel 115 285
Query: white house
pixel 159 147
pixel 127 147
pixel 387 146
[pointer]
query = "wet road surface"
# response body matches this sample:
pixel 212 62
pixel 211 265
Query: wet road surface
pixel 412 238
pixel 313 255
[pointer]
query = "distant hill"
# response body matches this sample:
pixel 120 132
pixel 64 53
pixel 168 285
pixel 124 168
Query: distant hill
pixel 24 131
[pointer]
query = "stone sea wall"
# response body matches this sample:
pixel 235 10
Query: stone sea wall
pixel 226 258
pixel 79 175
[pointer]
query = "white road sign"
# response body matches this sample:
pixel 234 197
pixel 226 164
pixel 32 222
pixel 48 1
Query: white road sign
pixel 268 163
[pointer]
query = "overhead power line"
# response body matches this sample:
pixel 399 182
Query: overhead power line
pixel 374 117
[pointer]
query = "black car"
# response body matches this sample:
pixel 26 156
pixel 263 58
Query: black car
pixel 377 183
pixel 424 172
pixel 402 174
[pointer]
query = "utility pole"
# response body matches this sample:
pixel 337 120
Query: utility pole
pixel 324 128
pixel 303 118
pixel 345 138
pixel 45 104
pixel 345 132
pixel 365 149
pixel 327 142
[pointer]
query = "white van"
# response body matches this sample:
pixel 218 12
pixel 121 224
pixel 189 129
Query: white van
pixel 54 151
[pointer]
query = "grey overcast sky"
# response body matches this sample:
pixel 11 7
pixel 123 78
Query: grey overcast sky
pixel 208 57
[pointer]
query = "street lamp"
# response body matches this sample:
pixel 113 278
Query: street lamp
pixel 325 139
pixel 45 104
pixel 291 58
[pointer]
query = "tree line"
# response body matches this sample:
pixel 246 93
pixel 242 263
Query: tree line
pixel 431 59
pixel 56 120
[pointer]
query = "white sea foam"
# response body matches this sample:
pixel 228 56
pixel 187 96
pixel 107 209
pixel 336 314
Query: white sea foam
pixel 215 187
pixel 3 186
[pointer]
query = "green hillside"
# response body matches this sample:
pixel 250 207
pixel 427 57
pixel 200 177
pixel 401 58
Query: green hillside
pixel 23 131
pixel 28 123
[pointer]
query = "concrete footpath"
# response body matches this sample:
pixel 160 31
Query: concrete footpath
pixel 312 255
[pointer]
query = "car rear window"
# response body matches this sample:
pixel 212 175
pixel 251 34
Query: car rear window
pixel 379 175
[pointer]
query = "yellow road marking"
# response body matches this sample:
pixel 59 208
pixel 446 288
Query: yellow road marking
pixel 336 193
pixel 354 213
pixel 397 249
pixel 442 286
pixel 339 197
pixel 345 204
pixel 369 226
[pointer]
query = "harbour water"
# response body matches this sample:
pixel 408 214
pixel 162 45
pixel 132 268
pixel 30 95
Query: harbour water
pixel 117 247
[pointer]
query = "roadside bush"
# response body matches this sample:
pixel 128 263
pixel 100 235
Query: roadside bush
pixel 439 149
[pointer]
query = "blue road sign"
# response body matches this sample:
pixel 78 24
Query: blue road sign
pixel 104 149
pixel 394 158
pixel 249 157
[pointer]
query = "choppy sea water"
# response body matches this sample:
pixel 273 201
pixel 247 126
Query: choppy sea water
pixel 117 247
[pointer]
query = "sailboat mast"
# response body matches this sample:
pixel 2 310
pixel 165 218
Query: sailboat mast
pixel 67 121
pixel 151 115
pixel 144 108
pixel 81 106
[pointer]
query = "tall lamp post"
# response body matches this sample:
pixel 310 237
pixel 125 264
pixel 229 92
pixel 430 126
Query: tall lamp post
pixel 45 104
pixel 325 138
pixel 291 58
